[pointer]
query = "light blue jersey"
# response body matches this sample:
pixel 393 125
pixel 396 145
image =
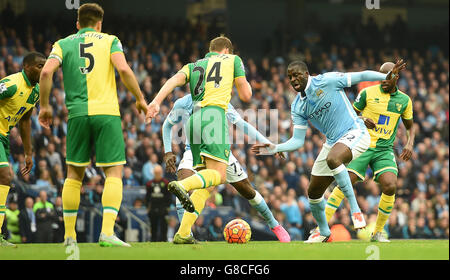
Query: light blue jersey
pixel 182 110
pixel 326 106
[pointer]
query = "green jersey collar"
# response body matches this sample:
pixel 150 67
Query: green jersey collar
pixel 26 78
pixel 86 29
pixel 211 54
pixel 393 93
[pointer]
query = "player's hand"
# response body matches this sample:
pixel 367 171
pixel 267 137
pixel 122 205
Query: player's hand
pixel 46 116
pixel 28 165
pixel 370 124
pixel 280 155
pixel 141 106
pixel 170 159
pixel 152 111
pixel 399 66
pixel 263 149
pixel 406 153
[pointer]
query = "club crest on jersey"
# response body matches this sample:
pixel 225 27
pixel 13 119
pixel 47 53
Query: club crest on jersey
pixel 398 106
pixel 319 92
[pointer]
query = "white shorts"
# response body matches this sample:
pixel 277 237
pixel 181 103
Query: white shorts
pixel 358 142
pixel 235 172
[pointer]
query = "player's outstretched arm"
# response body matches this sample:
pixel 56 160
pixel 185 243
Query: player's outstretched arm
pixel 45 85
pixel 129 80
pixel 177 80
pixel 251 131
pixel 295 142
pixel 25 134
pixel 368 75
pixel 243 88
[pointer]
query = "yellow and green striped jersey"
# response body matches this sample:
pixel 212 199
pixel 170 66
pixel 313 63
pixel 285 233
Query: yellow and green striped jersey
pixel 88 73
pixel 211 78
pixel 17 97
pixel 385 110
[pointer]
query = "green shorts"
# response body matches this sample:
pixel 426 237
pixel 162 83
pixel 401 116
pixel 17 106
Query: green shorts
pixel 4 151
pixel 208 135
pixel 102 132
pixel 379 160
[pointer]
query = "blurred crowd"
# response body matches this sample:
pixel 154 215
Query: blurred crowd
pixel 157 51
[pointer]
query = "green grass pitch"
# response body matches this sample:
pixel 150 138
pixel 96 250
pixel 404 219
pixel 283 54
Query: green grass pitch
pixel 254 250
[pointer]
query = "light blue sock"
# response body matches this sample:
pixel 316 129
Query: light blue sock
pixel 260 205
pixel 318 211
pixel 180 210
pixel 344 182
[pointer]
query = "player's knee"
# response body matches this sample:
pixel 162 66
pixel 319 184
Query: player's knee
pixel 5 176
pixel 389 188
pixel 333 162
pixel 313 193
pixel 245 189
pixel 223 177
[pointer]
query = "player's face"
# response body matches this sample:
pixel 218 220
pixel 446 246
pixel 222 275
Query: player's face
pixel 34 70
pixel 389 85
pixel 298 78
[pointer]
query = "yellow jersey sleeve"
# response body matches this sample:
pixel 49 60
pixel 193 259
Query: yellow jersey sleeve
pixel 408 113
pixel 116 45
pixel 360 101
pixel 56 52
pixel 7 88
pixel 185 71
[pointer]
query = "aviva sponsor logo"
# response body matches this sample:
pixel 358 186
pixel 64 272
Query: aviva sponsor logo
pixel 382 130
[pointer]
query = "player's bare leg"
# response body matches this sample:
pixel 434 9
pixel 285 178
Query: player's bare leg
pixel 71 201
pixel 339 155
pixel 111 200
pixel 388 184
pixel 316 189
pixel 244 187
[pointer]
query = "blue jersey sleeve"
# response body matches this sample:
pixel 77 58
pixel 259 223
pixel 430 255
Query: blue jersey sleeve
pixel 298 119
pixel 182 109
pixel 232 115
pixel 338 79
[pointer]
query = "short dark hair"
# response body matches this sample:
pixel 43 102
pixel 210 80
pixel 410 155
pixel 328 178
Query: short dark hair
pixel 298 63
pixel 89 14
pixel 30 58
pixel 220 43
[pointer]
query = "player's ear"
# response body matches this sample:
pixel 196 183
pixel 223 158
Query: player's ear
pixel 78 25
pixel 98 26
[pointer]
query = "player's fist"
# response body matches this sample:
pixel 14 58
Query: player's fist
pixel 370 124
pixel 170 159
pixel 45 116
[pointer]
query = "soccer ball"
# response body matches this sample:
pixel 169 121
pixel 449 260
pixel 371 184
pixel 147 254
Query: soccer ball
pixel 237 231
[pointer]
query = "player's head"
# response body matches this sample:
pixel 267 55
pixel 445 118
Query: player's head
pixel 32 65
pixel 221 45
pixel 388 85
pixel 298 74
pixel 90 15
